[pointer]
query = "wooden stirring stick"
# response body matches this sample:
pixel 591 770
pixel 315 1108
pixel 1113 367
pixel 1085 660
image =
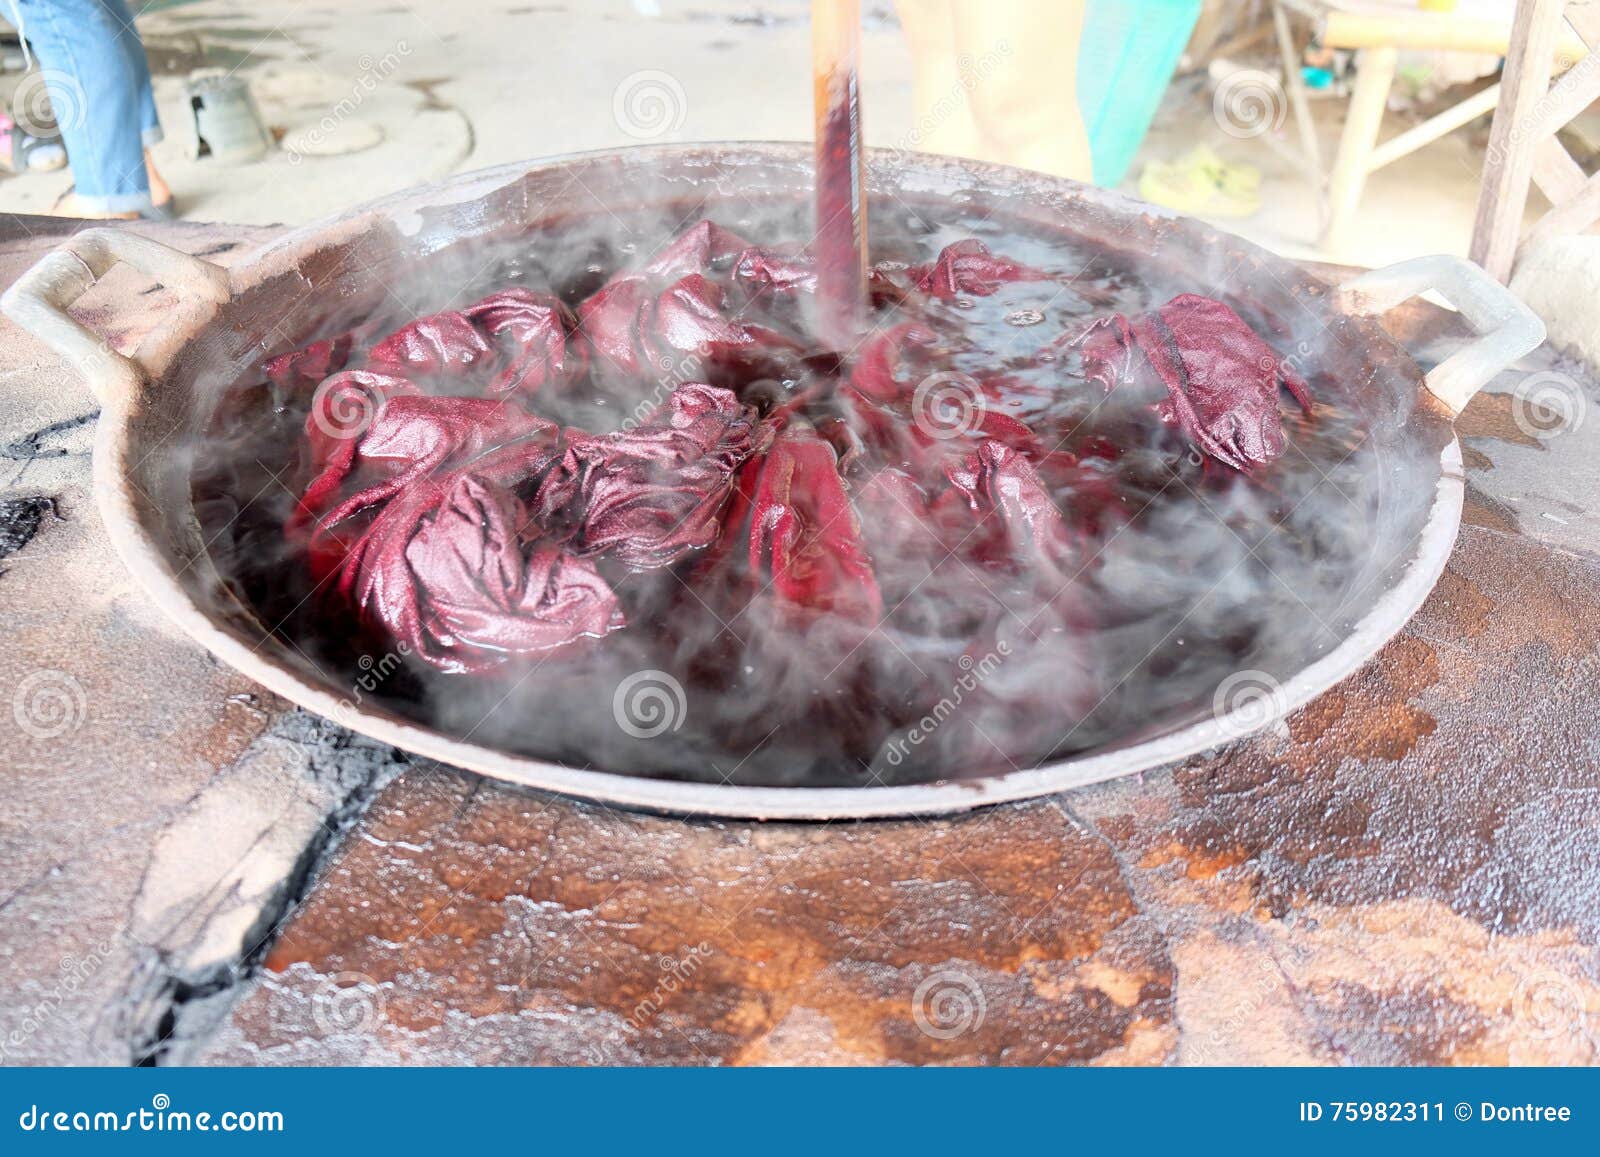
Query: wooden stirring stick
pixel 841 221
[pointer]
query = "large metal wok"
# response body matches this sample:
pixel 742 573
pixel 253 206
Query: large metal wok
pixel 154 400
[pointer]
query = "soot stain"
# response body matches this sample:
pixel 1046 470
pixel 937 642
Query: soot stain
pixel 20 519
pixel 33 446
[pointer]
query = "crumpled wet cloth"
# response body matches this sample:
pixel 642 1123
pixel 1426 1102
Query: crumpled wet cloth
pixel 444 508
pixel 1222 380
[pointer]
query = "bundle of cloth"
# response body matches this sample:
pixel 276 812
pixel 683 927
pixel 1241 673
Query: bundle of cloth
pixel 445 508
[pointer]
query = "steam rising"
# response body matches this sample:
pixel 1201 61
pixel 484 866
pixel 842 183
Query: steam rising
pixel 972 672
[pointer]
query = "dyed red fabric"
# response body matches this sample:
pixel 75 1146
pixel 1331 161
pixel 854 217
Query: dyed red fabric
pixel 677 308
pixel 993 516
pixel 920 416
pixel 1022 523
pixel 1221 379
pixel 962 267
pixel 512 342
pixel 892 363
pixel 778 267
pixel 651 495
pixel 638 328
pixel 911 359
pixel 393 436
pixel 696 250
pixel 679 305
pixel 1086 487
pixel 455 569
pixel 798 534
pixel 476 531
pixel 311 364
pixel 968 267
pixel 911 527
pixel 342 409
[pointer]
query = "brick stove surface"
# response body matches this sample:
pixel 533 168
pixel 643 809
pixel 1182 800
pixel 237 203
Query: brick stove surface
pixel 193 871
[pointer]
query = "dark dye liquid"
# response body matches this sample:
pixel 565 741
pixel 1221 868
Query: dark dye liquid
pixel 1204 574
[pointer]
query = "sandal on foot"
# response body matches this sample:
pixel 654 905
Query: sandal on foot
pixel 165 211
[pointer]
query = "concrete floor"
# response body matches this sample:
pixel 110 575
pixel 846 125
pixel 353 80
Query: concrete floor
pixel 463 86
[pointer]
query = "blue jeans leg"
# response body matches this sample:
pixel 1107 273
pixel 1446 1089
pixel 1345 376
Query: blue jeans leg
pixel 101 99
pixel 149 123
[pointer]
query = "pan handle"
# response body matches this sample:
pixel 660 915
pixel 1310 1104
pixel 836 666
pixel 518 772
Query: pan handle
pixel 1507 328
pixel 38 301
